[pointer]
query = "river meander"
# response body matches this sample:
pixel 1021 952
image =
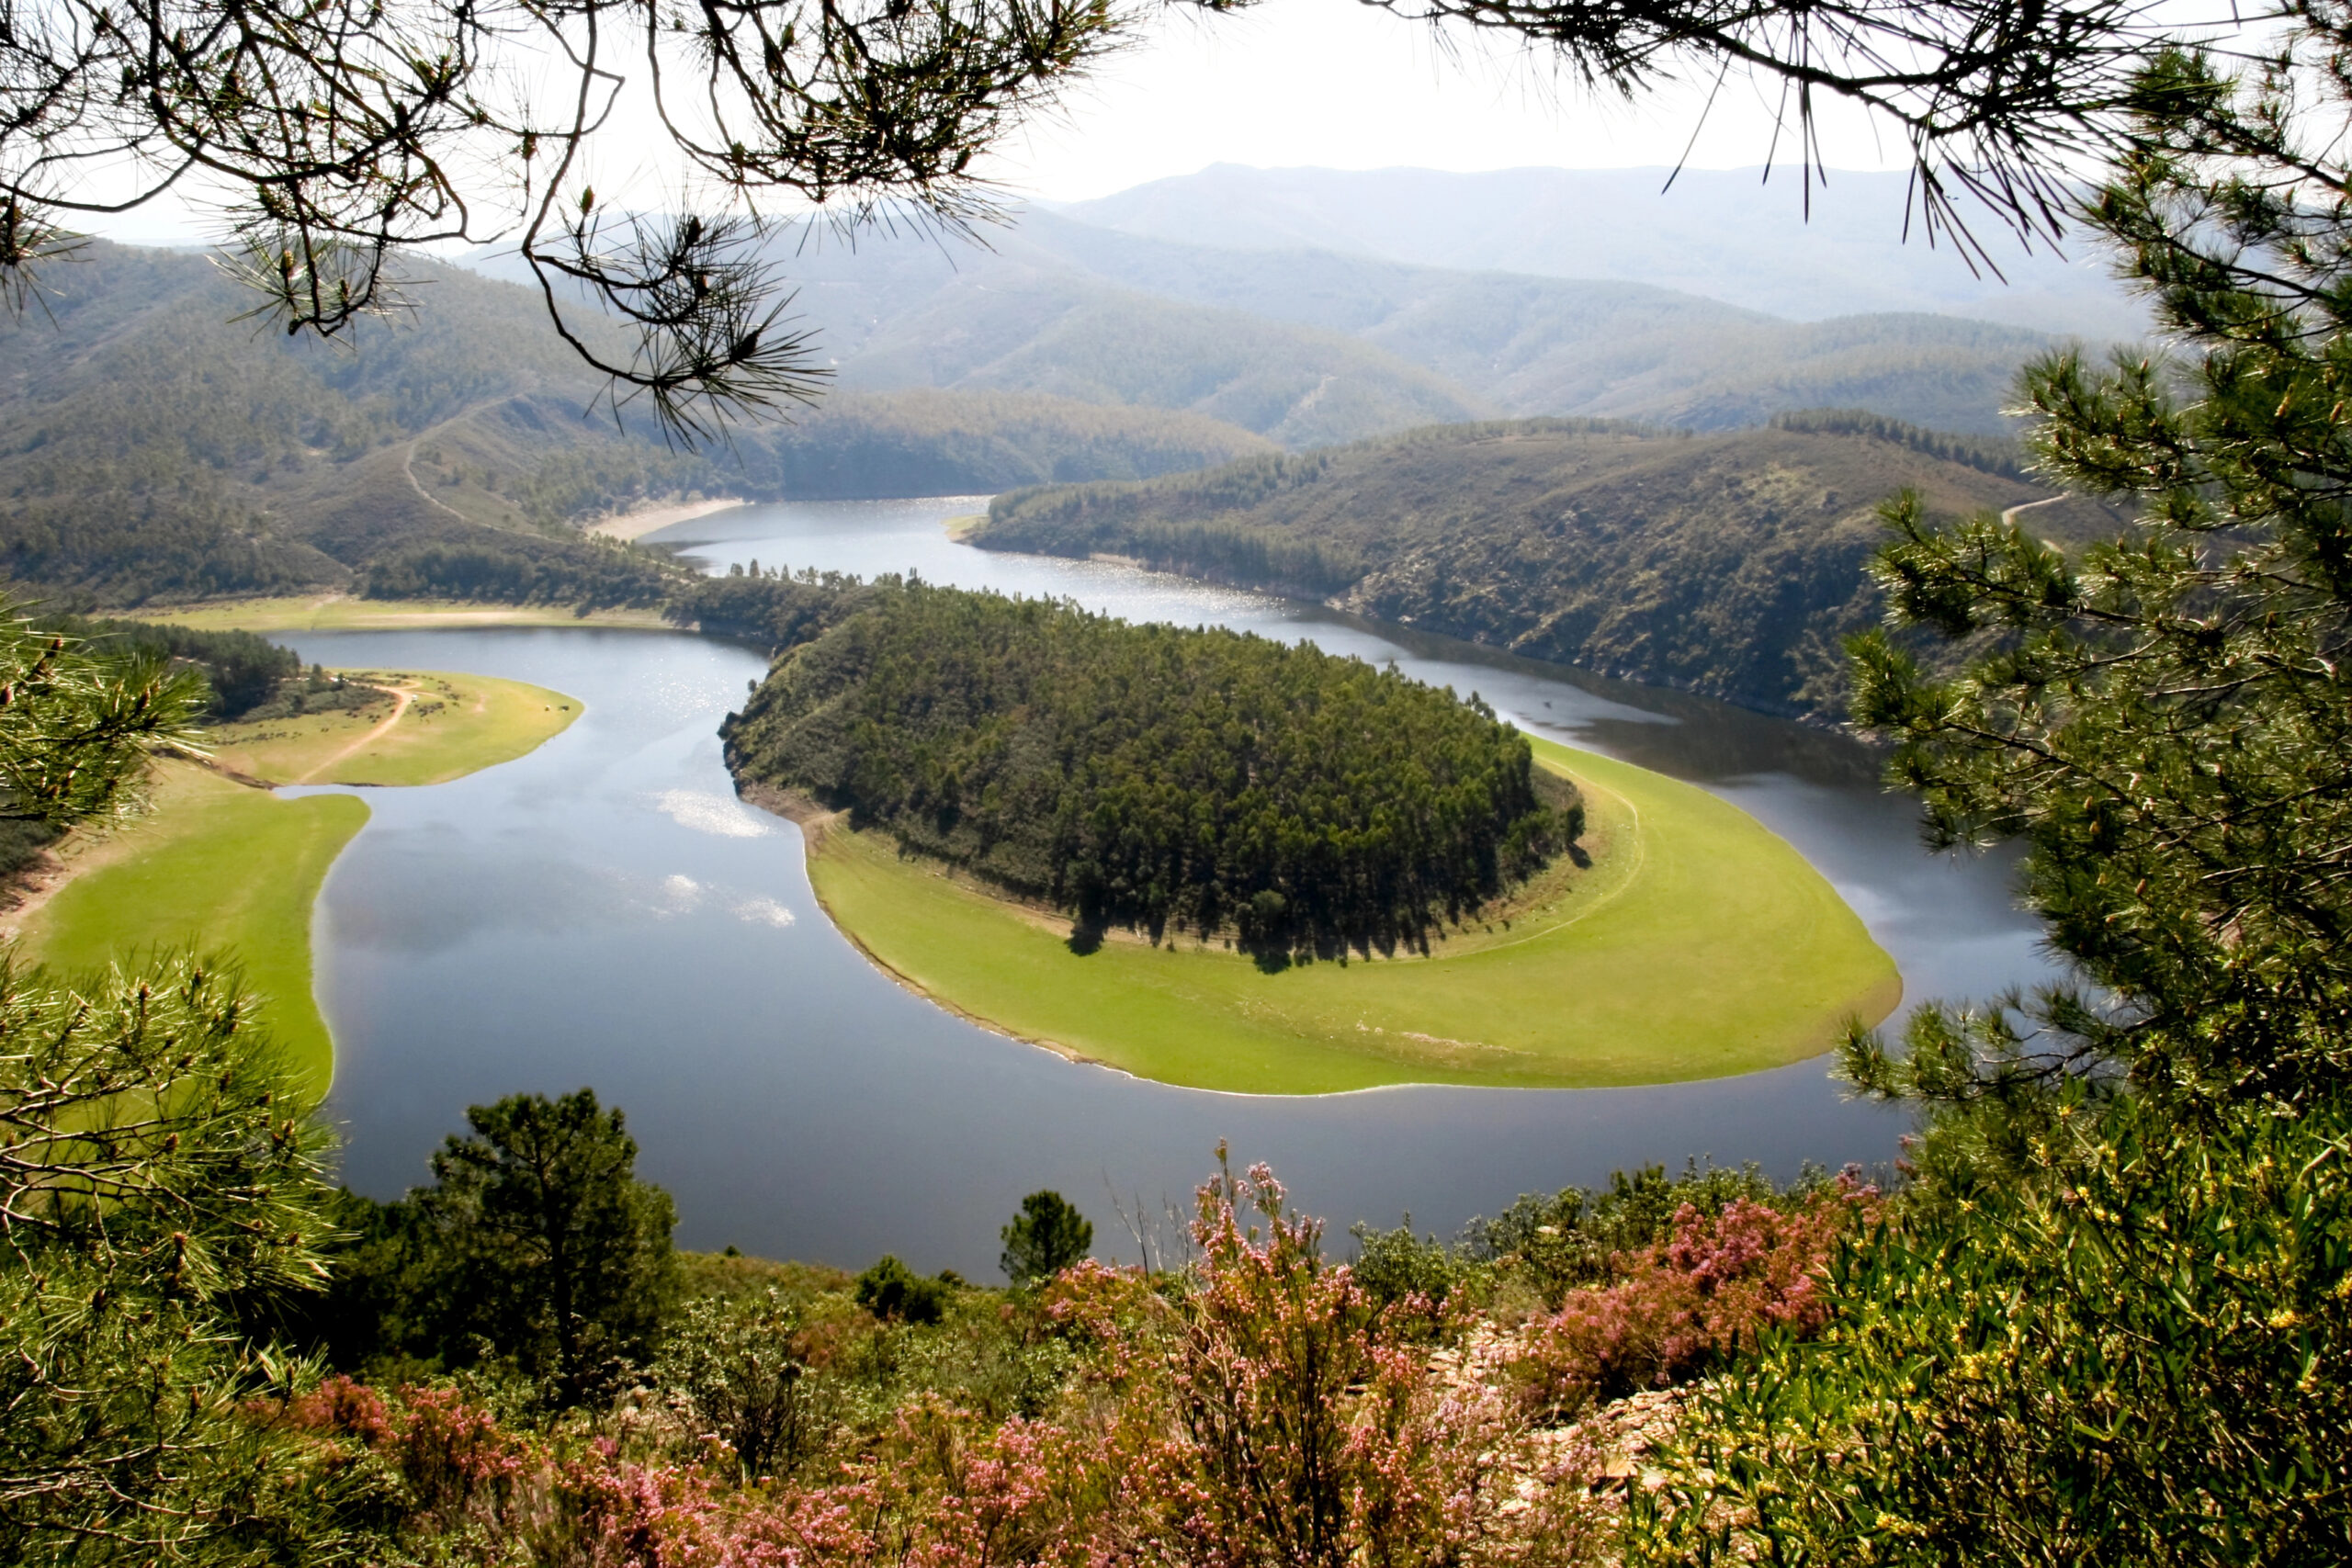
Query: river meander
pixel 604 912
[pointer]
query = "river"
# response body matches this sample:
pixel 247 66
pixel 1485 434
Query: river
pixel 604 912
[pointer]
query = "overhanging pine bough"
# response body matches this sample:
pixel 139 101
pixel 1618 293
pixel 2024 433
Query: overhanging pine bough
pixel 2165 722
pixel 330 133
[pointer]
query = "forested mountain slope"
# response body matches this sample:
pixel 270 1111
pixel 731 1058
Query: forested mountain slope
pixel 1584 347
pixel 1726 564
pixel 152 445
pixel 1035 330
pixel 155 445
pixel 898 312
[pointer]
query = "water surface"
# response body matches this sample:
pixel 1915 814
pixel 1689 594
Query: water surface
pixel 604 912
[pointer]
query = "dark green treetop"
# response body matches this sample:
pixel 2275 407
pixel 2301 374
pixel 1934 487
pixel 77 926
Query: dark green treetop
pixel 545 1244
pixel 891 1291
pixel 1047 1237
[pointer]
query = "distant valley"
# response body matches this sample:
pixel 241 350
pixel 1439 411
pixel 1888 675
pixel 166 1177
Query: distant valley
pixel 162 451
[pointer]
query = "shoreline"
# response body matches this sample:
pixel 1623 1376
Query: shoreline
pixel 846 880
pixel 641 520
pixel 815 822
pixel 342 612
pixel 202 804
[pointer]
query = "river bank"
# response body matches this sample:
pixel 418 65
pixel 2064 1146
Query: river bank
pixel 1695 944
pixel 222 863
pixel 644 520
pixel 344 612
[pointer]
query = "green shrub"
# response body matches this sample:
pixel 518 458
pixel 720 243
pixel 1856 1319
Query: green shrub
pixel 1393 1265
pixel 2143 1353
pixel 893 1291
pixel 1045 1238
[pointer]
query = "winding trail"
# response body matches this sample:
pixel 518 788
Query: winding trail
pixel 402 697
pixel 415 484
pixel 2009 517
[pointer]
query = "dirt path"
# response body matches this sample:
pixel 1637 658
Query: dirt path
pixel 414 484
pixel 402 697
pixel 2009 518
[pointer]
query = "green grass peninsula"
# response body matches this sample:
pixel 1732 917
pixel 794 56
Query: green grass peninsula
pixel 1157 780
pixel 227 867
pixel 971 771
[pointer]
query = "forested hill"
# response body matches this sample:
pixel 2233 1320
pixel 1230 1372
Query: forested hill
pixel 1726 564
pixel 156 447
pixel 1153 777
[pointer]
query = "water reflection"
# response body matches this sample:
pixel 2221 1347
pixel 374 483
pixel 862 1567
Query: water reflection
pixel 604 912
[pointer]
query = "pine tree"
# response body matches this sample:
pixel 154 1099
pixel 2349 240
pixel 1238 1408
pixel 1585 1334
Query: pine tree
pixel 1045 1238
pixel 2167 722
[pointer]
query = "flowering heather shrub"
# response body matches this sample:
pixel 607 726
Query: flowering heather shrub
pixel 1574 1238
pixel 1264 1410
pixel 443 1471
pixel 1714 1286
pixel 1310 1429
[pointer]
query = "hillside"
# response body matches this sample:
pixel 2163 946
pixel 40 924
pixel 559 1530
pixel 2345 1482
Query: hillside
pixel 1024 330
pixel 896 312
pixel 1309 348
pixel 158 447
pixel 1729 565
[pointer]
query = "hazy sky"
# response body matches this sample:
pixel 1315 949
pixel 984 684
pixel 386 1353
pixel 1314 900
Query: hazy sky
pixel 1337 84
pixel 1292 82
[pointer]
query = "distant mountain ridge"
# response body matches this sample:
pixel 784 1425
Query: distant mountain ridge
pixel 1531 346
pixel 1310 347
pixel 1855 246
pixel 1317 347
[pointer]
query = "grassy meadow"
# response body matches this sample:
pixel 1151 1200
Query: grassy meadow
pixel 217 865
pixel 1697 945
pixel 436 727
